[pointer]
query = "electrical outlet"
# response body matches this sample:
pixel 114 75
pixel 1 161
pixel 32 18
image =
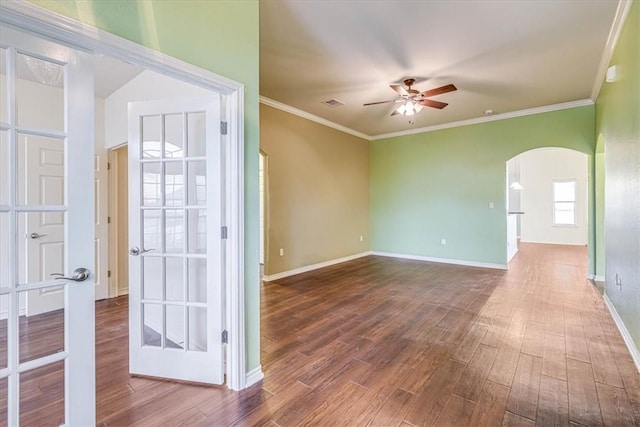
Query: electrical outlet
pixel 443 241
pixel 491 205
pixel 281 251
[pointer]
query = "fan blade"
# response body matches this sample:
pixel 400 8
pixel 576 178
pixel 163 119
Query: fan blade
pixel 439 90
pixel 383 102
pixel 400 89
pixel 433 104
pixel 395 113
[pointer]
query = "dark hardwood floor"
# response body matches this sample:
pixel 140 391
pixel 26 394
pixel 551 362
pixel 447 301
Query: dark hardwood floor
pixel 389 342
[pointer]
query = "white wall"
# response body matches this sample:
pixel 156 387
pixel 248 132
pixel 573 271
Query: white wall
pixel 538 169
pixel 146 86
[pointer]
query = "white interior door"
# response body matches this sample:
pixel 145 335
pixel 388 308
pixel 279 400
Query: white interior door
pixel 175 218
pixel 46 187
pixel 41 237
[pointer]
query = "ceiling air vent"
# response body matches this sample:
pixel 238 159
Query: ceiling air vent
pixel 332 103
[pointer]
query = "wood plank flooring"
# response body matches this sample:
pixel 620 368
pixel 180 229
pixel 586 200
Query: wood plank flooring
pixel 389 342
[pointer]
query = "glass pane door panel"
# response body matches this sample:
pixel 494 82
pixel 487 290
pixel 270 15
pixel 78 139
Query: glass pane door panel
pixel 4 393
pixel 151 137
pixel 196 134
pixel 42 334
pixel 174 279
pixel 4 168
pixel 42 388
pixel 151 184
pixel 175 326
pixel 152 227
pixel 39 93
pixel 152 278
pixel 4 312
pixel 4 99
pixel 152 325
pixel 174 184
pixel 197 280
pixel 173 145
pixel 40 170
pixel 197 231
pixel 41 246
pixel 5 245
pixel 174 226
pixel 197 329
pixel 197 183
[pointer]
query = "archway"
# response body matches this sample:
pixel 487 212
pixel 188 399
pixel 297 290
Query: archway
pixel 548 191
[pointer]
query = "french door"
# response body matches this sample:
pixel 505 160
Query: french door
pixel 46 231
pixel 176 241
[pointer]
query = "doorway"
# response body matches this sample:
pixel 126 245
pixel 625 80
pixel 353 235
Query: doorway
pixel 263 210
pixel 37 21
pixel 548 198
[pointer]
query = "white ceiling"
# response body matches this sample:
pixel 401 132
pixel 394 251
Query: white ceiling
pixel 111 74
pixel 504 55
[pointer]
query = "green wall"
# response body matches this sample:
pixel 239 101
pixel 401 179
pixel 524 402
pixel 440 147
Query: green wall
pixel 618 124
pixel 434 185
pixel 219 36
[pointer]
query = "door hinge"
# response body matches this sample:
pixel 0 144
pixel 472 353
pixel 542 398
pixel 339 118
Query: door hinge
pixel 108 273
pixel 224 232
pixel 225 337
pixel 108 220
pixel 223 128
pixel 108 166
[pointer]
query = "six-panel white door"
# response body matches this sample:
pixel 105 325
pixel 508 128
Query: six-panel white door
pixel 176 247
pixel 46 187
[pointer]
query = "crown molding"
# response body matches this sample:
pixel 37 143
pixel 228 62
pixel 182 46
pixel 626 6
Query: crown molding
pixel 528 112
pixel 616 28
pixel 477 120
pixel 296 112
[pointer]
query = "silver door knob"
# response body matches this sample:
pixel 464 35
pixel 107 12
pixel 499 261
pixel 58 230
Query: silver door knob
pixel 79 275
pixel 36 235
pixel 135 251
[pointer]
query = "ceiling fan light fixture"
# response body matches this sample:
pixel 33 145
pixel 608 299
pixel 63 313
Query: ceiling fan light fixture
pixel 410 109
pixel 402 109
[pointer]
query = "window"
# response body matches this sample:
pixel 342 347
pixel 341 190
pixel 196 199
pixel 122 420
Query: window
pixel 564 202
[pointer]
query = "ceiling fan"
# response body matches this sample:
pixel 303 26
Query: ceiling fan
pixel 413 100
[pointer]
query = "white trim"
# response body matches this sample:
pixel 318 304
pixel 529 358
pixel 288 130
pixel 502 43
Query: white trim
pixel 313 267
pixel 477 120
pixel 442 260
pixel 254 376
pixel 234 265
pixel 555 243
pixel 296 112
pixel 633 349
pixel 44 22
pixel 616 28
pixel 595 278
pixel 4 314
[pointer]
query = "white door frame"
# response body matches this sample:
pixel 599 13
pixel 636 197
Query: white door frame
pixel 51 25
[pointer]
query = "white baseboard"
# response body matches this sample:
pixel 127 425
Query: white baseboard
pixel 254 376
pixel 313 267
pixel 5 313
pixel 633 349
pixel 442 260
pixel 595 278
pixel 553 243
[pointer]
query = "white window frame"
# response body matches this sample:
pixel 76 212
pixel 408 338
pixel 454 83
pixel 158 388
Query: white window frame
pixel 574 201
